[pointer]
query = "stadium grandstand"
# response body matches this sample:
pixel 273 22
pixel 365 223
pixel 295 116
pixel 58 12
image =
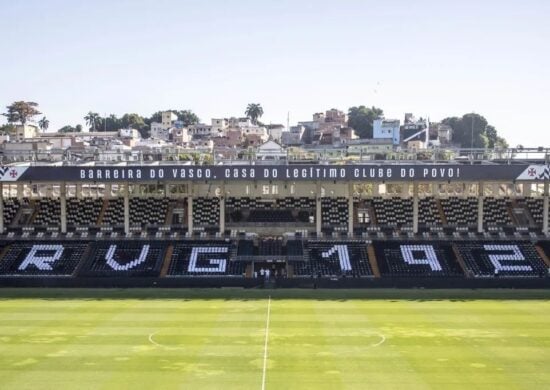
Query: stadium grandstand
pixel 471 222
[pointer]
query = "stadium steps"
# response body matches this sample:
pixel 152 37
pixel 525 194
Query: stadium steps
pixel 461 262
pixel 85 259
pixel 372 260
pixel 373 216
pixel 510 210
pixel 248 271
pixel 441 212
pixel 4 251
pixel 17 216
pixel 102 212
pixel 169 214
pixel 542 255
pixel 35 210
pixel 167 259
pixel 290 271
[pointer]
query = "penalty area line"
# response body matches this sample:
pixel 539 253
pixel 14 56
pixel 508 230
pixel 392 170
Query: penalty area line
pixel 266 341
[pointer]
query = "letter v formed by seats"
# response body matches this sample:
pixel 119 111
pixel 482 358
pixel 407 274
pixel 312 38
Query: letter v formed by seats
pixel 110 258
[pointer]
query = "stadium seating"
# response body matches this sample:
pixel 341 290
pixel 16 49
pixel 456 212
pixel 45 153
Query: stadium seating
pixel 206 211
pixel 271 216
pixel 246 248
pixel 270 247
pixel 11 207
pixel 42 258
pixel 204 258
pixel 48 212
pixel 281 210
pixel 460 211
pixel 83 212
pixel 143 211
pixel 395 212
pixel 334 212
pixel 114 213
pixel 428 212
pixel 496 212
pixel 413 259
pixel 125 258
pixel 535 207
pixel 509 258
pixel 148 211
pixel 334 258
pixel 295 249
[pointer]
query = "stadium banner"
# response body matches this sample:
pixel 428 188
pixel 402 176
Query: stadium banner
pixel 363 172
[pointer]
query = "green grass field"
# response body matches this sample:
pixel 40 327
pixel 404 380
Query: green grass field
pixel 216 339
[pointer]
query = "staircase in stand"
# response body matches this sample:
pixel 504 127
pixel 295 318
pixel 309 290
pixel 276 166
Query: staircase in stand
pixel 372 260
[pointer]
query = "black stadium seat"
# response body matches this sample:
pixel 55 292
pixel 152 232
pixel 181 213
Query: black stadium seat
pixel 413 259
pixel 204 258
pixel 125 258
pixel 508 258
pixel 29 258
pixel 334 258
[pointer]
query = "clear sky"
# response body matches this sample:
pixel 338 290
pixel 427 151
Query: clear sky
pixel 436 58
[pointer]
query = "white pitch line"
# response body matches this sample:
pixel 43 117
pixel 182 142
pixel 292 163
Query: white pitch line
pixel 152 341
pixel 266 339
pixel 382 339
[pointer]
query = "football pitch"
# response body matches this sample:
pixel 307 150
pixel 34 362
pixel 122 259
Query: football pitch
pixel 281 339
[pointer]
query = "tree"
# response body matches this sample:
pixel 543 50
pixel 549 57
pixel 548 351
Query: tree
pixel 70 129
pixel 92 119
pixel 21 112
pixel 132 121
pixel 8 129
pixel 44 123
pixel 361 118
pixel 254 111
pixel 112 123
pixel 188 117
pixel 473 130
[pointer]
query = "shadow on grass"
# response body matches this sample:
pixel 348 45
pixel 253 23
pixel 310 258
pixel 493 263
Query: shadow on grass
pixel 239 294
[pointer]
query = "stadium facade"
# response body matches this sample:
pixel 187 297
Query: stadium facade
pixel 457 223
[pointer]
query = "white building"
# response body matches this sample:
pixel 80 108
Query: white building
pixel 168 118
pixel 387 129
pixel 29 130
pixel 162 130
pixel 270 150
pixel 275 132
pixel 219 127
pixel 159 131
pixel 129 133
pixel 200 130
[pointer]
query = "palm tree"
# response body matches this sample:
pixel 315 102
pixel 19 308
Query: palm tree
pixel 44 123
pixel 92 118
pixel 254 111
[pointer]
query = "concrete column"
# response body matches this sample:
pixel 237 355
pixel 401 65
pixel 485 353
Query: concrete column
pixel 1 208
pixel 480 197
pixel 222 212
pixel 318 222
pixel 526 189
pixel 126 209
pixel 415 207
pixel 190 214
pixel 63 204
pixel 350 209
pixel 545 209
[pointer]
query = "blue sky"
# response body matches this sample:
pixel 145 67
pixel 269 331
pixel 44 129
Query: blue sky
pixel 436 58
